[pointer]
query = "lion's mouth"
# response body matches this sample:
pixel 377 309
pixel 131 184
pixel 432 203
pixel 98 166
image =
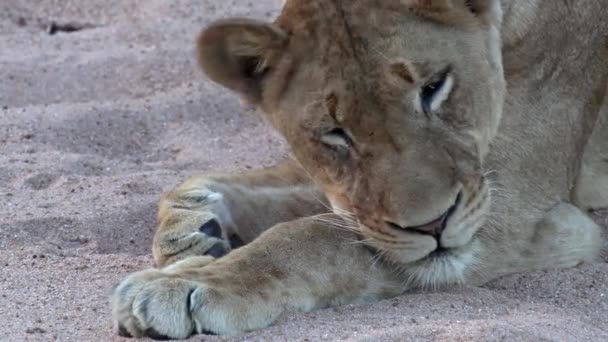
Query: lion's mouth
pixel 440 252
pixel 452 210
pixel 438 226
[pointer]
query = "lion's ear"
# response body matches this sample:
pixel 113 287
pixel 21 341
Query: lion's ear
pixel 489 11
pixel 238 53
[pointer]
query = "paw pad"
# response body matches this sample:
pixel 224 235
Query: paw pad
pixel 212 229
pixel 217 251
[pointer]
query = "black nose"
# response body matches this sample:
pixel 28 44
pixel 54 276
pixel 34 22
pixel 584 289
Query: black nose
pixel 434 228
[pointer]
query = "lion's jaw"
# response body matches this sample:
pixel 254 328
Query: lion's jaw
pixel 447 256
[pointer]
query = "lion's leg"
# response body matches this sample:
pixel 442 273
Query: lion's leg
pixel 564 238
pixel 299 265
pixel 591 189
pixel 211 214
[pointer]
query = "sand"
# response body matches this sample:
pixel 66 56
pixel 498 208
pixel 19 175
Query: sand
pixel 96 122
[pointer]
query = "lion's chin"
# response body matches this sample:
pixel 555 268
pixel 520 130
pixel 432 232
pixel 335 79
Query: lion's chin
pixel 441 252
pixel 443 267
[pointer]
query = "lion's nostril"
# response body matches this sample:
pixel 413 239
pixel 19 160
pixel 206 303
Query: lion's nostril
pixel 434 228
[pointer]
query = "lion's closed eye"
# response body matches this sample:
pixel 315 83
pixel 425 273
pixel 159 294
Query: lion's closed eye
pixel 338 140
pixel 436 91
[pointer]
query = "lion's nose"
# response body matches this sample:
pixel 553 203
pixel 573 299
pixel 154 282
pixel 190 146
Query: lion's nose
pixel 434 228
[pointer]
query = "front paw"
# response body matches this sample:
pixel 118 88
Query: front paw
pixel 179 244
pixel 164 305
pixel 192 223
pixel 153 304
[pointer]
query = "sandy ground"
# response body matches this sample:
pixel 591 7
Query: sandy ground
pixel 96 123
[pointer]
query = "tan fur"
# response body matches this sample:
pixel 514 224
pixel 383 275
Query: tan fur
pixel 514 145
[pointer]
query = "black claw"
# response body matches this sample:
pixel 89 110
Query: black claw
pixel 212 229
pixel 235 241
pixel 155 335
pixel 217 251
pixel 207 332
pixel 123 332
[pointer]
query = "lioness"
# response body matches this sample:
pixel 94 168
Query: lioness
pixel 435 143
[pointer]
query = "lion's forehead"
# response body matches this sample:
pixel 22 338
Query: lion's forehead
pixel 349 43
pixel 341 28
pixel 324 17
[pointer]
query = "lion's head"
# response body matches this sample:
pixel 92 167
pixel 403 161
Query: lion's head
pixel 389 105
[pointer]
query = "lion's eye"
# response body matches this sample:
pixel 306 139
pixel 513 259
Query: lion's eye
pixel 337 139
pixel 434 93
